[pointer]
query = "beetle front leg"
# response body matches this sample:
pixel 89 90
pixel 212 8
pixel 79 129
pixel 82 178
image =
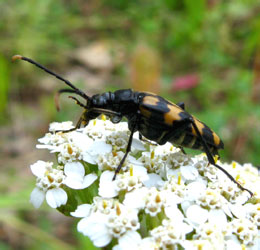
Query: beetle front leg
pixel 72 129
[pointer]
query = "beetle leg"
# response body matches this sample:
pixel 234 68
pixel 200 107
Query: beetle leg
pixel 182 150
pixel 128 149
pixel 182 126
pixel 181 105
pixel 72 129
pixel 141 138
pixel 212 161
pixel 77 102
pixel 105 111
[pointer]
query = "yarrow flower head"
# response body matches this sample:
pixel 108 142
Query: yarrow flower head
pixel 48 183
pixel 161 198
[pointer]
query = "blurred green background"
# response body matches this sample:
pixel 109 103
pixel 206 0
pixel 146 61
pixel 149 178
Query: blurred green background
pixel 204 53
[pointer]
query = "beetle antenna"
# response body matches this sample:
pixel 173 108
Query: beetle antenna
pixel 78 91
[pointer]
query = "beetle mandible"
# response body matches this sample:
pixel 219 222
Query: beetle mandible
pixel 154 117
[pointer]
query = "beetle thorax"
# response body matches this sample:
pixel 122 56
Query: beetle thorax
pixel 123 101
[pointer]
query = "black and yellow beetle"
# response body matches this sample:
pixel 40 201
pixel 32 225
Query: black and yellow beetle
pixel 151 115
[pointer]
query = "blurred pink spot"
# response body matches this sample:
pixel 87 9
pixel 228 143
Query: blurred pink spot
pixel 185 82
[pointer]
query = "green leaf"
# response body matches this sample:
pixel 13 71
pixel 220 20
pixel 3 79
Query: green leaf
pixel 4 85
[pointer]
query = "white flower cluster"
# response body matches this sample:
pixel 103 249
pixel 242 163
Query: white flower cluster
pixel 161 198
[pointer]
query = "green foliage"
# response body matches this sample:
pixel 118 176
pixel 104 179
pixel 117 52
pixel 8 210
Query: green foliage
pixel 4 85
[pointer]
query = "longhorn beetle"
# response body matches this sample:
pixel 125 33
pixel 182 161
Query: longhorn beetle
pixel 151 115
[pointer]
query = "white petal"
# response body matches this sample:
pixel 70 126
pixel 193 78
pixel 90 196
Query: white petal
pixel 79 182
pixel 134 161
pixel 94 227
pixel 130 240
pixel 197 214
pixel 81 140
pixel 38 168
pixel 37 197
pixel 172 173
pixel 88 158
pixel 83 226
pixel 107 187
pixel 99 147
pixel 172 198
pixel 174 213
pixel 82 211
pixel 154 180
pixel 194 190
pixel 238 210
pixel 136 144
pixel 50 147
pixel 218 218
pixel 135 198
pixel 101 240
pixel 185 205
pixel 189 172
pixel 88 180
pixel 56 197
pixel 226 209
pixel 140 171
pixel 74 169
pixel 73 182
pixel 233 244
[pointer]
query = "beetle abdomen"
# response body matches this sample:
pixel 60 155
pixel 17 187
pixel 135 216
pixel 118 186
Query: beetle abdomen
pixel 163 121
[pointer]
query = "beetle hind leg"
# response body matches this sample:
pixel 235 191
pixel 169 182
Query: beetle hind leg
pixel 212 161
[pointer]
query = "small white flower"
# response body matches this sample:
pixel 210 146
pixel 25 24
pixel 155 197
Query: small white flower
pixel 133 179
pixel 108 219
pixel 154 201
pixel 75 176
pixel 154 163
pixel 199 244
pixel 110 161
pixel 68 152
pixel 48 185
pixel 99 129
pixel 118 139
pixel 245 230
pixel 211 233
pixel 52 140
pixel 171 233
pixel 63 126
pixel 210 199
